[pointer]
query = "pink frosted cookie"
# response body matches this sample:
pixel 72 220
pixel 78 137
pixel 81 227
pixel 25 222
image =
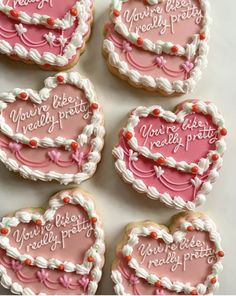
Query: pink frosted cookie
pixel 54 134
pixel 172 157
pixel 155 260
pixel 50 33
pixel 59 250
pixel 158 45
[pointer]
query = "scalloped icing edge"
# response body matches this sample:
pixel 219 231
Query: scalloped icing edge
pixel 179 223
pixel 56 201
pixel 64 179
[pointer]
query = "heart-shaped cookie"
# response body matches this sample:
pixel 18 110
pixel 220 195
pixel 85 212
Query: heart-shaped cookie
pixel 59 250
pixel 158 45
pixel 173 157
pixel 49 33
pixel 184 259
pixel 55 134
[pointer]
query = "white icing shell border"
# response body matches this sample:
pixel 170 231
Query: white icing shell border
pixel 203 108
pixel 198 223
pixel 96 127
pixel 96 251
pixel 41 19
pixel 159 46
pixel 157 83
pixel 85 11
pixel 176 202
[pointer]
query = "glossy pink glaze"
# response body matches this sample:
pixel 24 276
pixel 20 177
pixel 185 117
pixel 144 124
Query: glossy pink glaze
pixel 71 127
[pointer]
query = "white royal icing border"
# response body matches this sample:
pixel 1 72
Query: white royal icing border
pixel 204 108
pixel 198 223
pixel 96 251
pixel 175 201
pixel 96 128
pixel 85 11
pixel 160 47
pixel 41 19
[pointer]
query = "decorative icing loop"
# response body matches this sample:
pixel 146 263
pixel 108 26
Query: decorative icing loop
pixel 159 47
pixel 154 268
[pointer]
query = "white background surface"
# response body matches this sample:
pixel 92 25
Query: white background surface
pixel 117 203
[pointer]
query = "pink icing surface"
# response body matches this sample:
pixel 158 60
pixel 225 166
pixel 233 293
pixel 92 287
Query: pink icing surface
pixel 66 107
pixel 58 238
pixel 191 261
pixel 67 98
pixel 146 62
pixel 35 278
pixel 175 21
pixel 53 8
pixel 71 226
pixel 174 182
pixel 189 141
pixel 196 270
pixel 34 37
pixel 138 286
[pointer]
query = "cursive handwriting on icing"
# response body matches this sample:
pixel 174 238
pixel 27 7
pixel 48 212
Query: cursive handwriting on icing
pixel 171 134
pixel 41 116
pixel 176 255
pixel 53 234
pixel 40 3
pixel 177 11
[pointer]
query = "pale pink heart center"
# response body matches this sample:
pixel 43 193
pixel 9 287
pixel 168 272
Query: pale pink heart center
pixel 188 261
pixel 175 21
pixel 53 8
pixel 188 141
pixel 66 238
pixel 65 114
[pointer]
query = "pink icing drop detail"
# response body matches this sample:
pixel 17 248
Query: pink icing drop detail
pixel 15 147
pixel 54 156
